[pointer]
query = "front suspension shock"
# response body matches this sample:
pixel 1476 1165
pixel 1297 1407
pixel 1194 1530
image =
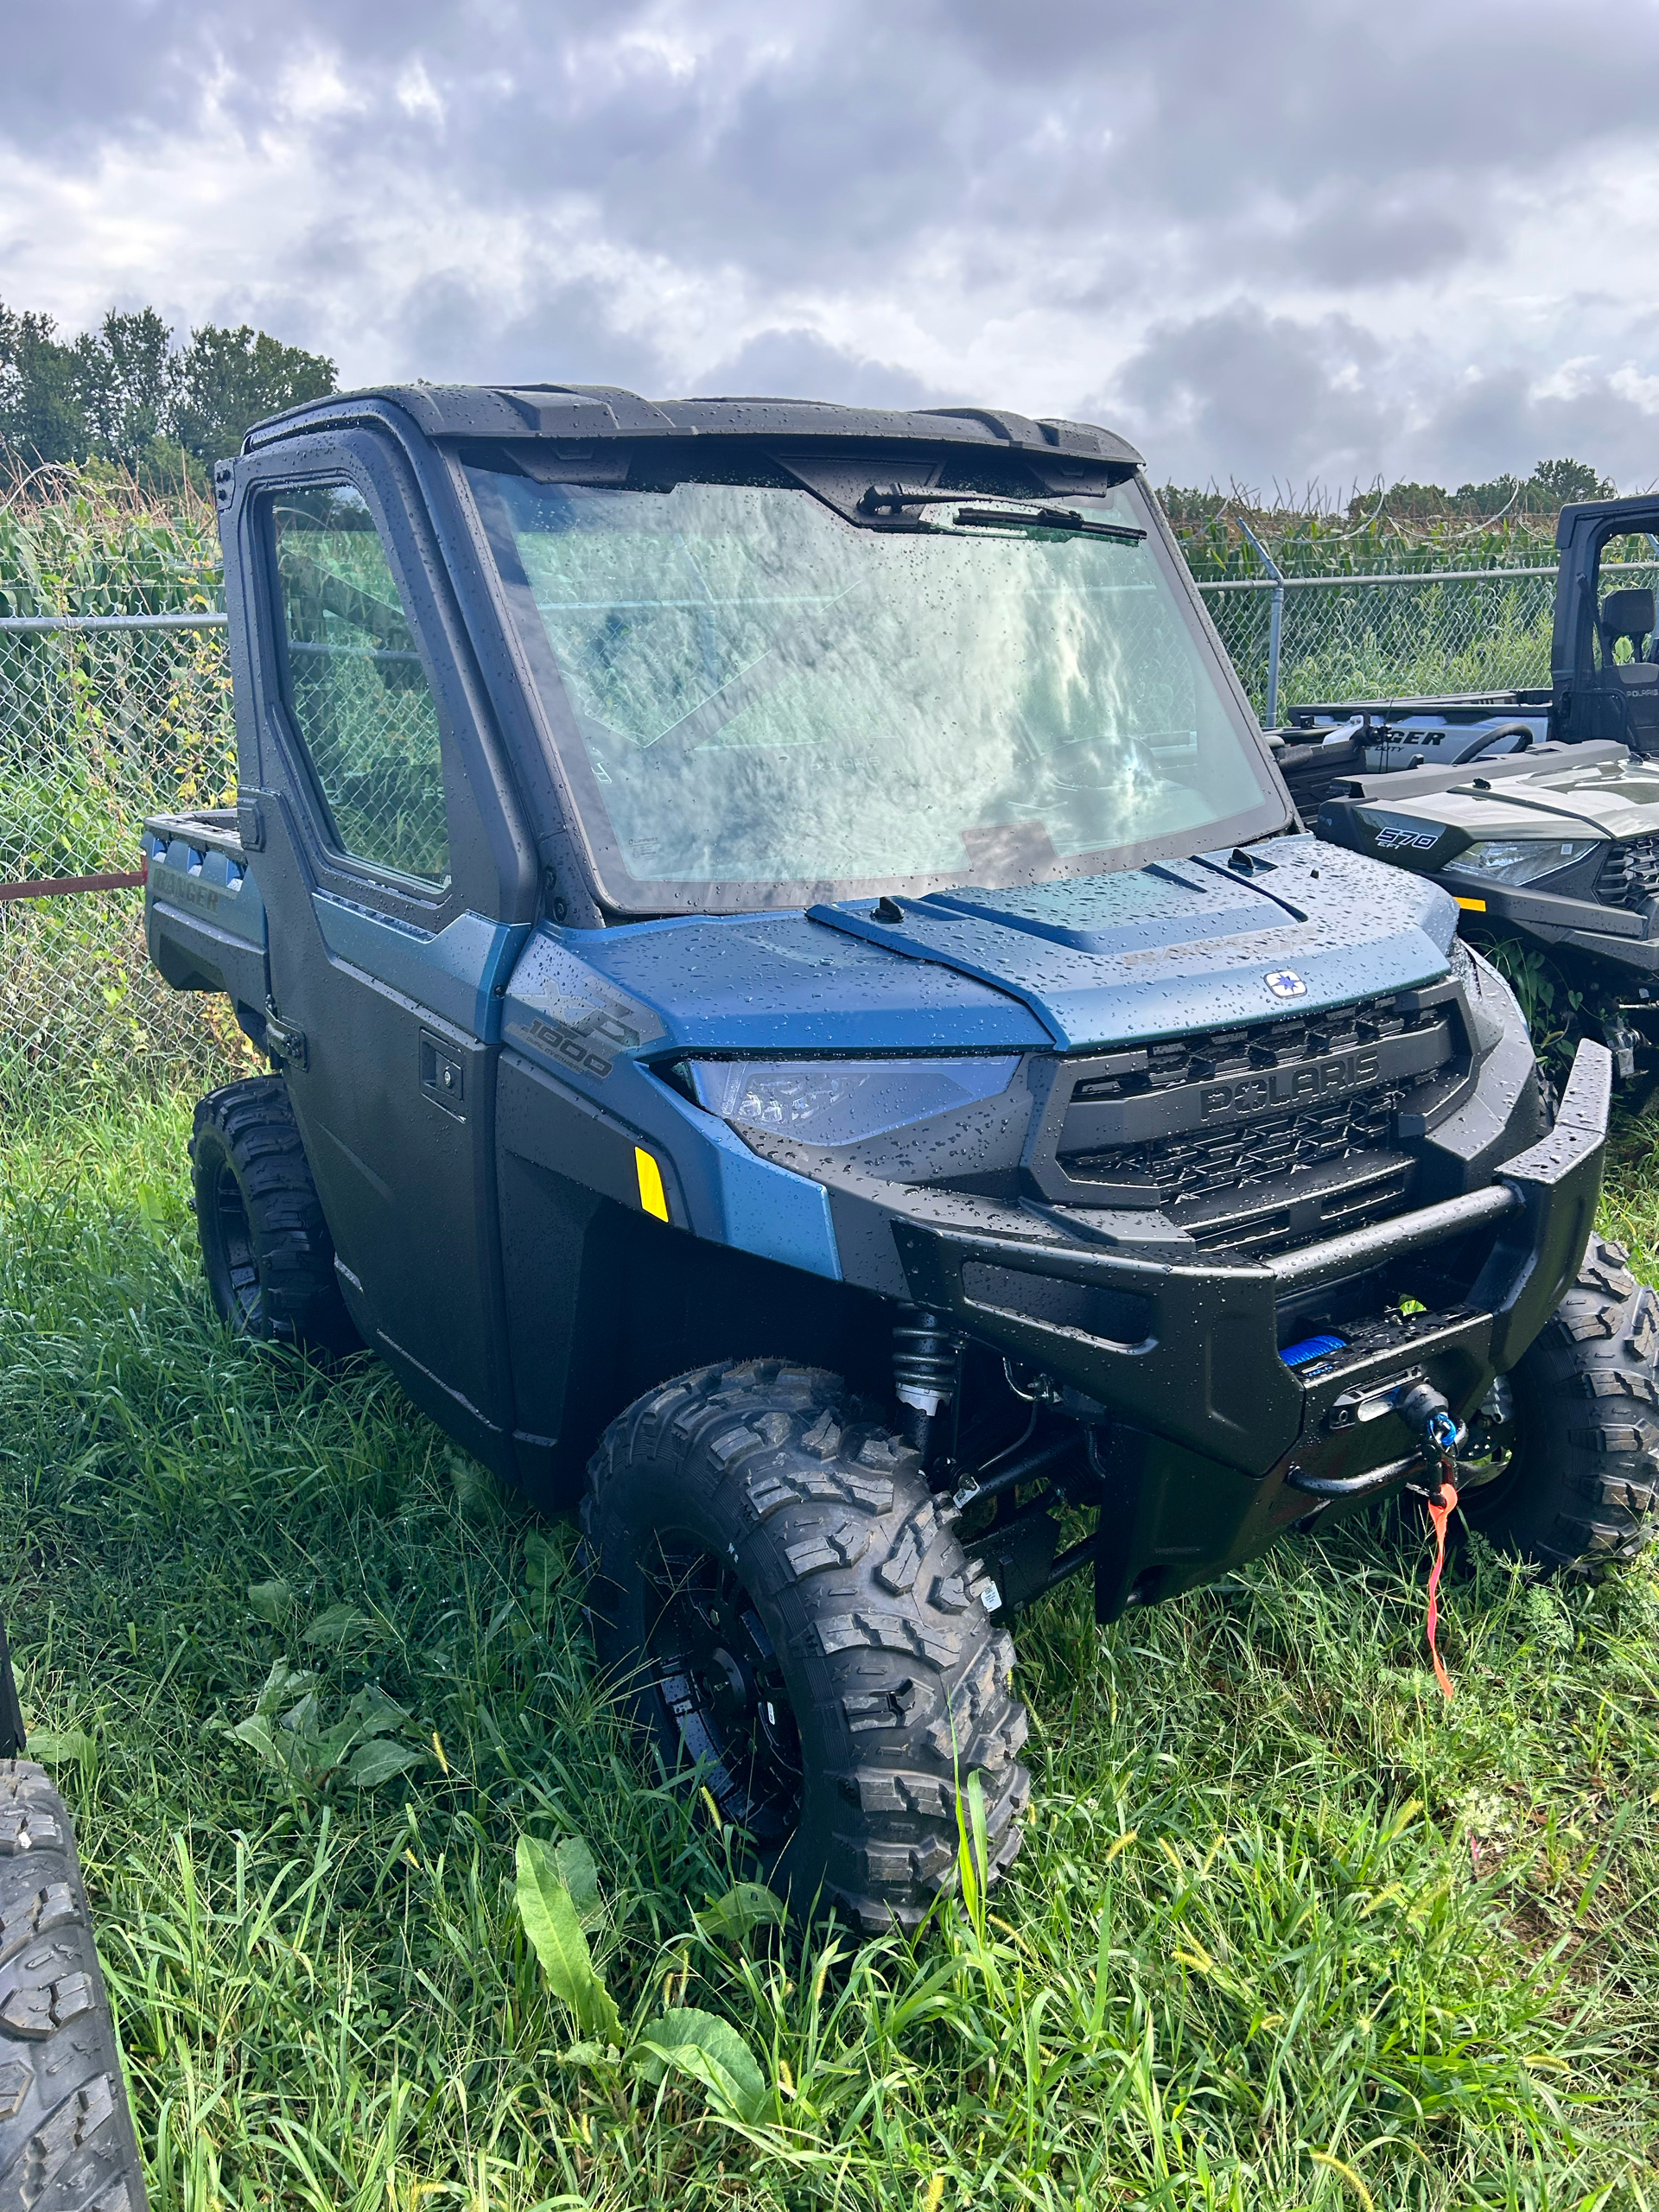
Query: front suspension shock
pixel 927 1365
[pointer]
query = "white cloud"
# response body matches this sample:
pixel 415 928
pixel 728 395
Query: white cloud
pixel 1264 241
pixel 313 89
pixel 1643 392
pixel 415 93
pixel 1568 380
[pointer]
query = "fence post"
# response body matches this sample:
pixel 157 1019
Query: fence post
pixel 1276 623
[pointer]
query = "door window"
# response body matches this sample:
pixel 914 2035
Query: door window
pixel 356 686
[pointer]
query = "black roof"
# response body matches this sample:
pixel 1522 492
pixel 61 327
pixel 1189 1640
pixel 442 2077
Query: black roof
pixel 1635 505
pixel 597 410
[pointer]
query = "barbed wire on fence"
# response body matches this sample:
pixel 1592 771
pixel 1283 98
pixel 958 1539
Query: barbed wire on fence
pixel 105 718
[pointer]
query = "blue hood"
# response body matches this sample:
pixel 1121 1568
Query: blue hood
pixel 1109 959
pixel 1089 961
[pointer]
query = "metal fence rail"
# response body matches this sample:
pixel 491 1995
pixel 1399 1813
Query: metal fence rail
pixel 105 718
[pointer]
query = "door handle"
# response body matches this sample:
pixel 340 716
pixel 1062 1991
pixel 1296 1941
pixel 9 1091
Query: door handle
pixel 442 1075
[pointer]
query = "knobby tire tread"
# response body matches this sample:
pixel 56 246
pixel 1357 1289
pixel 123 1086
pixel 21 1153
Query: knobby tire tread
pixel 250 1127
pixel 899 1677
pixel 67 2140
pixel 1587 1422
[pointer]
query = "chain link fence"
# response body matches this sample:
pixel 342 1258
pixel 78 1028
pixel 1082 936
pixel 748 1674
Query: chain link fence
pixel 103 720
pixel 1297 641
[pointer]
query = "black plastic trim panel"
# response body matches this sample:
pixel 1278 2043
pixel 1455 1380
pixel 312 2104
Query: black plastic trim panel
pixel 1204 1380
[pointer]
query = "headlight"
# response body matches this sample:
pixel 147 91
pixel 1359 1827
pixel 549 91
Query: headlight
pixel 839 1101
pixel 1519 860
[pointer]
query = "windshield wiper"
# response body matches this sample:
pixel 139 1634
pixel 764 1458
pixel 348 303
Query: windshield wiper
pixel 1022 514
pixel 1049 522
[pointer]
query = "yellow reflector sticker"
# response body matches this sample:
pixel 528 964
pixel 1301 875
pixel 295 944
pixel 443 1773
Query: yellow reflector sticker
pixel 651 1195
pixel 1469 905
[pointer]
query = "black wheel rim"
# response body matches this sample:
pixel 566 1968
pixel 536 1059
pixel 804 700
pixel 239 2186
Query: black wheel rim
pixel 240 1265
pixel 722 1686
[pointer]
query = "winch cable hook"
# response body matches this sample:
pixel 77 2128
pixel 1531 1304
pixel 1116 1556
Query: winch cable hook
pixel 1425 1411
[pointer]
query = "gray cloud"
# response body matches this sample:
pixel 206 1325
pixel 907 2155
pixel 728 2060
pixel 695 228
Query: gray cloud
pixel 788 363
pixel 1498 422
pixel 1302 238
pixel 1336 407
pixel 1243 383
pixel 558 340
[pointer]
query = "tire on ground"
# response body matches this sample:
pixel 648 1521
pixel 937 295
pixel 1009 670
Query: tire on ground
pixel 66 2141
pixel 1579 1490
pixel 265 1247
pixel 896 1676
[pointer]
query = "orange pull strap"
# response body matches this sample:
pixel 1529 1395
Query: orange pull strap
pixel 1440 1509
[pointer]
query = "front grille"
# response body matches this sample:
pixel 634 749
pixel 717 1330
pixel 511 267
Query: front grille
pixel 1279 1228
pixel 1187 1167
pixel 1629 873
pixel 1286 1174
pixel 1221 1053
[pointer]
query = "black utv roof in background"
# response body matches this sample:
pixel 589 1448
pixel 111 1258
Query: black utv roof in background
pixel 499 412
pixel 1636 508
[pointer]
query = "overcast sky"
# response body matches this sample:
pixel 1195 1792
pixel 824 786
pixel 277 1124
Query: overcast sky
pixel 1270 239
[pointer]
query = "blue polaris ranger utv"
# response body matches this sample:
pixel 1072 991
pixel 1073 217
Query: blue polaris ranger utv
pixel 804 1025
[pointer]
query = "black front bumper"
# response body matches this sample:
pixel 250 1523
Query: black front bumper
pixel 1626 937
pixel 1214 1444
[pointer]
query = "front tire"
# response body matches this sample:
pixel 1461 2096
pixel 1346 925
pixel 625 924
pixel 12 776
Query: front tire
pixel 772 1583
pixel 265 1247
pixel 1576 1491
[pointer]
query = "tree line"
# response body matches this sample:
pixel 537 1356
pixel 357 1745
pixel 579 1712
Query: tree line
pixel 1522 502
pixel 126 396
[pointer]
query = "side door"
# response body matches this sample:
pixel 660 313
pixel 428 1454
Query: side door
pixel 399 887
pixel 1612 641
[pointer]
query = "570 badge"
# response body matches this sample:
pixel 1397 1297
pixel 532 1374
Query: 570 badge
pixel 1392 837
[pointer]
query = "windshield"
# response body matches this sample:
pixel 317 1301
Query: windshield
pixel 757 697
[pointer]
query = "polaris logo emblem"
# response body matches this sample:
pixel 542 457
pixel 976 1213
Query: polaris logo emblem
pixel 1294 1086
pixel 1421 840
pixel 1284 983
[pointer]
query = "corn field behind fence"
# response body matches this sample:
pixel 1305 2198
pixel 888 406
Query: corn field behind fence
pixel 1390 635
pixel 106 718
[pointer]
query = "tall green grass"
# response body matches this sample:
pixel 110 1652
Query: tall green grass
pixel 1287 1931
pixel 1382 641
